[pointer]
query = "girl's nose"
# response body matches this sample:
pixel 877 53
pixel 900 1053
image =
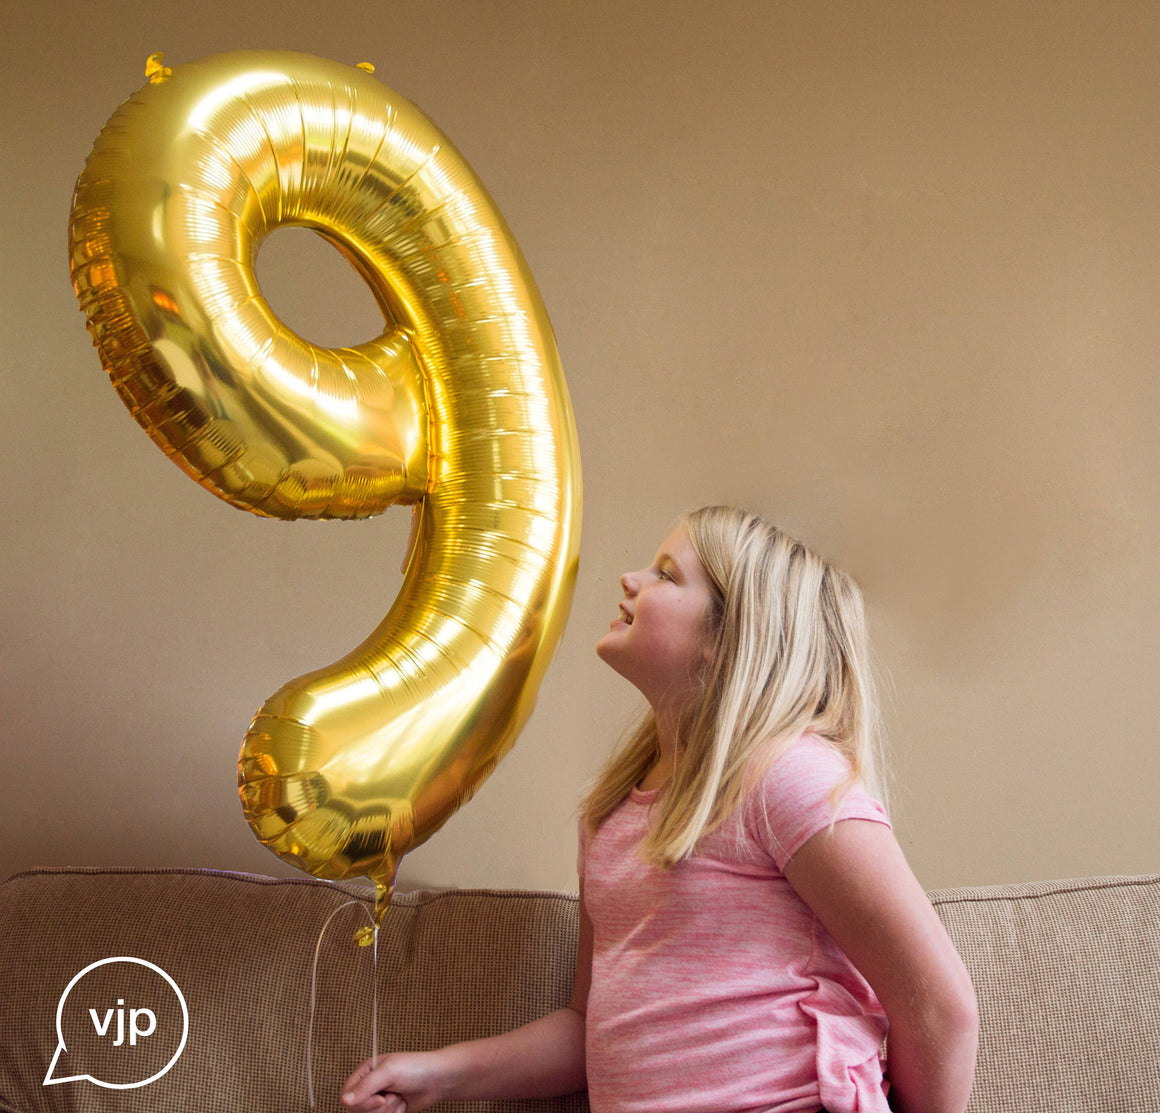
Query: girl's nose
pixel 629 582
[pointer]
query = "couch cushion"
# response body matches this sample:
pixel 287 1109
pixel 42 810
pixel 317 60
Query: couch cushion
pixel 1068 979
pixel 451 965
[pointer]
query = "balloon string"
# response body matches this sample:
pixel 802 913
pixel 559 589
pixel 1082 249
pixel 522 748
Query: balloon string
pixel 314 996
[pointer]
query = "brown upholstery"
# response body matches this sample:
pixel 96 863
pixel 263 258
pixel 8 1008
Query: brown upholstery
pixel 452 965
pixel 1067 973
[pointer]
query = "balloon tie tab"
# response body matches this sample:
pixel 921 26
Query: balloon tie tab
pixel 368 67
pixel 154 70
pixel 384 890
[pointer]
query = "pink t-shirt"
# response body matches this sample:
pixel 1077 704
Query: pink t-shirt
pixel 715 989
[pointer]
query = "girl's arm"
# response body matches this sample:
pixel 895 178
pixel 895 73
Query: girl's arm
pixel 541 1059
pixel 857 881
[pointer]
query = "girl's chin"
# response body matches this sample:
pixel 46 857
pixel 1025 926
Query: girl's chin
pixel 615 654
pixel 606 646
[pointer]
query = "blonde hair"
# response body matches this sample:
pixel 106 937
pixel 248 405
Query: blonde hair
pixel 790 655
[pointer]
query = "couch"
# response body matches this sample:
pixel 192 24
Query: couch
pixel 1067 974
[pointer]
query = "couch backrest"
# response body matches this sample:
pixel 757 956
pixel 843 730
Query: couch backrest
pixel 1067 973
pixel 1068 979
pixel 451 965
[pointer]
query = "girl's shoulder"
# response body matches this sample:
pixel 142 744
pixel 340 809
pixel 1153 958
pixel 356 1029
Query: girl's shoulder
pixel 804 789
pixel 809 757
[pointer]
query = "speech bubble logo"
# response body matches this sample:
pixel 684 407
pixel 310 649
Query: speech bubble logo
pixel 128 1034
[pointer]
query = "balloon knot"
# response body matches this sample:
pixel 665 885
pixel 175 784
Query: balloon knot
pixel 368 66
pixel 365 936
pixel 154 70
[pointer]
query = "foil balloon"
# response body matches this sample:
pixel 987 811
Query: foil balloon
pixel 458 409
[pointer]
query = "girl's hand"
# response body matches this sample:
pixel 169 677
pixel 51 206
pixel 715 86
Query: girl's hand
pixel 401 1083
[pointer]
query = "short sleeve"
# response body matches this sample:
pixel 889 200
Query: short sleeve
pixel 795 798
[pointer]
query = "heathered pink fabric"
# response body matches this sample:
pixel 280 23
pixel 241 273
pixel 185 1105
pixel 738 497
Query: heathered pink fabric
pixel 714 987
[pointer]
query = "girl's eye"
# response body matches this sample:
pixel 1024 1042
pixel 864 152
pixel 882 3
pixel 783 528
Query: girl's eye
pixel 663 575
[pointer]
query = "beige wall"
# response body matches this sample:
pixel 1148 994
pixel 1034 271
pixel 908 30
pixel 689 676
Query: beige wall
pixel 886 272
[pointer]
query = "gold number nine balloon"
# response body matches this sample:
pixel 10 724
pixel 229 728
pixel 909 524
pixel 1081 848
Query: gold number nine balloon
pixel 458 409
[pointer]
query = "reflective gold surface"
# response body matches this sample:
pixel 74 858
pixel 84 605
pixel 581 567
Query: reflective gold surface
pixel 458 409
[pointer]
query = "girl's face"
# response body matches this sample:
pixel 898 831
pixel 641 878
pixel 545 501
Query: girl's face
pixel 660 641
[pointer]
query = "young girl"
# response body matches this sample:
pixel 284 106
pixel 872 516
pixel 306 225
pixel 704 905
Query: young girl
pixel 749 928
